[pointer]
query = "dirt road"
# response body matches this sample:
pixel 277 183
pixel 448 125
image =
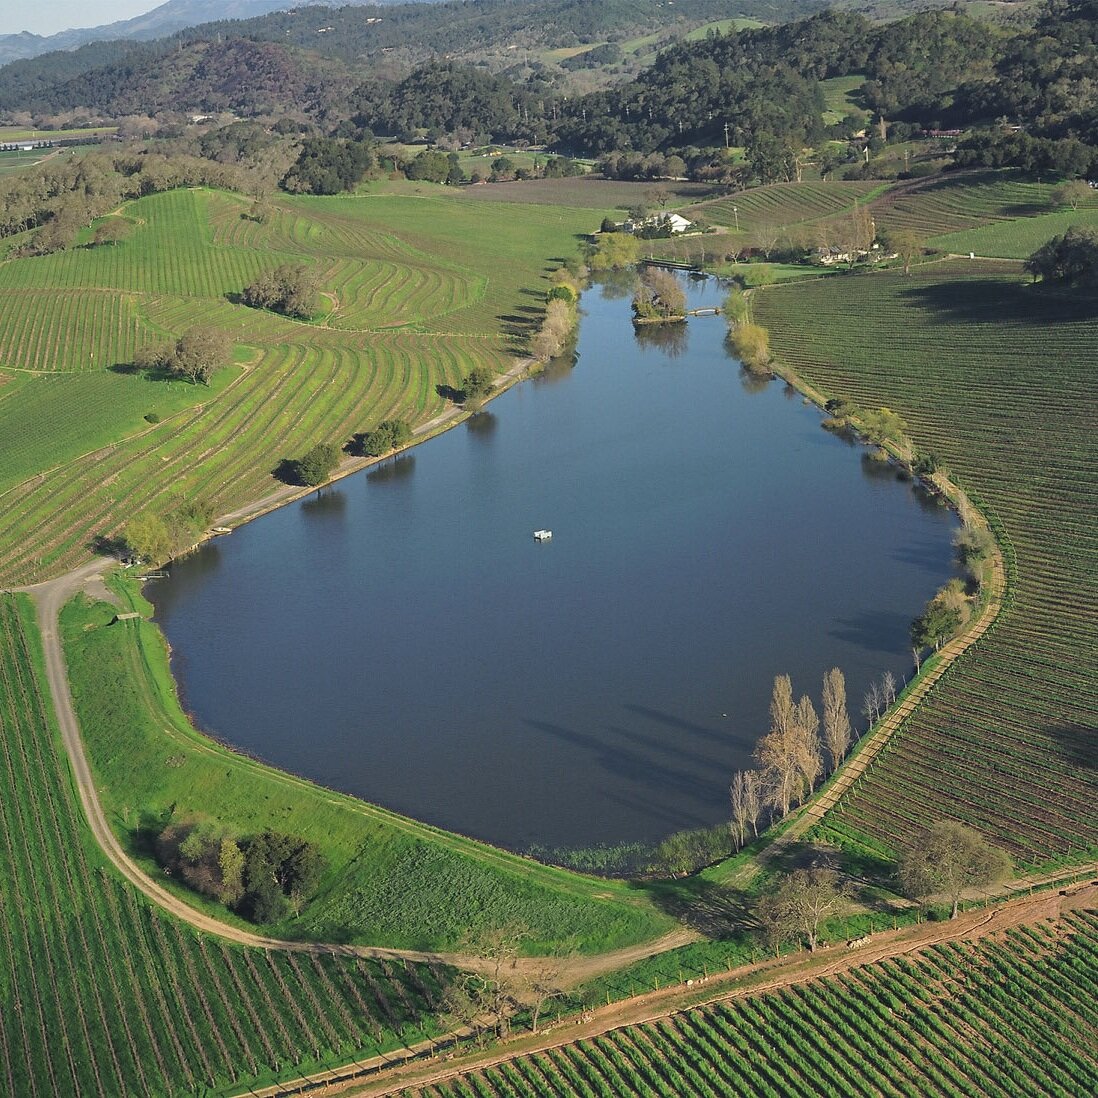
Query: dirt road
pixel 736 984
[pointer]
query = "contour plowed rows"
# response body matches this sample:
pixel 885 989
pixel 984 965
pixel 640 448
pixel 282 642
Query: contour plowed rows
pixel 103 995
pixel 785 204
pixel 995 378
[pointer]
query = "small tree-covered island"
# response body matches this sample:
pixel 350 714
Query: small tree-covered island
pixel 268 265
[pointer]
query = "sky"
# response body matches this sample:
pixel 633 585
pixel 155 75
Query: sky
pixel 49 16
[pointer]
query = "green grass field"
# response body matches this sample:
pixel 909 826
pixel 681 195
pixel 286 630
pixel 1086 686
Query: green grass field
pixel 1006 1016
pixel 840 98
pixel 392 881
pixel 1016 239
pixel 994 376
pixel 411 305
pixel 103 995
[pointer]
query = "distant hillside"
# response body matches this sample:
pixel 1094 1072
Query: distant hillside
pixel 110 77
pixel 169 17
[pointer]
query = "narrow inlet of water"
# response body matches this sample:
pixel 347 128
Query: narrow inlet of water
pixel 404 638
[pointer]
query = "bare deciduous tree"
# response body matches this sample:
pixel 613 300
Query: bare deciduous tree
pixel 888 690
pixel 809 759
pixel 754 798
pixel 737 793
pixel 777 750
pixel 799 905
pixel 871 704
pixel 836 720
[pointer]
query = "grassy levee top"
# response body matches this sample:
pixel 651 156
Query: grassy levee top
pixel 997 378
pixel 417 291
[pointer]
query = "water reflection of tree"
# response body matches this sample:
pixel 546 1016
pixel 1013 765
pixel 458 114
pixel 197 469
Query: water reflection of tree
pixel 482 424
pixel 327 502
pixel 753 382
pixel 614 285
pixel 398 468
pixel 672 339
pixel 557 369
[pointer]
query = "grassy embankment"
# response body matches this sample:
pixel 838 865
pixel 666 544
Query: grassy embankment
pixel 104 995
pixel 392 881
pixel 993 376
pixel 418 289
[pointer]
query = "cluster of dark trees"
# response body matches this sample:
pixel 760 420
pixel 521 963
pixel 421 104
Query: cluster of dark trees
pixel 758 89
pixel 263 878
pixel 290 289
pixel 157 536
pixel 313 468
pixel 389 434
pixel 328 165
pixel 1070 260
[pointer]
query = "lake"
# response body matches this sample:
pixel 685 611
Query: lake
pixel 403 637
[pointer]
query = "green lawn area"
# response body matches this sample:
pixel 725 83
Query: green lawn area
pixel 1016 239
pixel 839 97
pixel 21 133
pixel 723 26
pixel 392 881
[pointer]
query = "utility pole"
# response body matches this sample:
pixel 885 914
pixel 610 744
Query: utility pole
pixel 726 145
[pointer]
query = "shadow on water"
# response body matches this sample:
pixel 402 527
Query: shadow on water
pixel 922 554
pixel 627 757
pixel 395 469
pixel 870 630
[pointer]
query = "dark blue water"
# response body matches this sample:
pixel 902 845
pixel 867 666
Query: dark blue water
pixel 402 637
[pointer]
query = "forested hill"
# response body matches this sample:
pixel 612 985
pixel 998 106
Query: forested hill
pixel 764 81
pixel 103 76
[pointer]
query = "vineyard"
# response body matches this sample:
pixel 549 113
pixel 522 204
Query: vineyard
pixel 47 331
pixel 103 995
pixel 786 204
pixel 1006 1016
pixel 1015 239
pixel 994 376
pixel 954 203
pixel 387 349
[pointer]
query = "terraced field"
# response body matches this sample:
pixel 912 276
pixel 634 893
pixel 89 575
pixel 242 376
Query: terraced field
pixel 1006 1017
pixel 412 307
pixel 954 203
pixel 995 377
pixel 786 204
pixel 1015 239
pixel 105 996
